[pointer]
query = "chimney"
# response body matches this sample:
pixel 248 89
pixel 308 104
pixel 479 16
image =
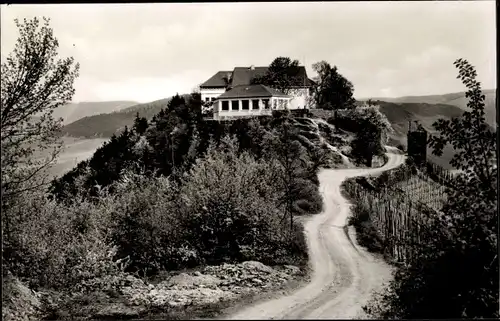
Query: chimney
pixel 252 67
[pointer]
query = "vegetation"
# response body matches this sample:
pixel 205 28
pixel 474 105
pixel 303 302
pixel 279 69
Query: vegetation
pixel 450 255
pixel 372 131
pixel 283 75
pixel 34 83
pixel 332 90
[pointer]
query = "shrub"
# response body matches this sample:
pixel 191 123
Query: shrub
pixel 56 246
pixel 147 226
pixel 230 211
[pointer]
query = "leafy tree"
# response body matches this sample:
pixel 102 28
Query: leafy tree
pixel 367 143
pixel 332 90
pixel 34 83
pixel 282 146
pixel 283 75
pixel 456 272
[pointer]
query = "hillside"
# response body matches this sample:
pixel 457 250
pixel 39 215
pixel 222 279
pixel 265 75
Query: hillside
pixel 106 124
pixel 399 114
pixel 456 99
pixel 74 111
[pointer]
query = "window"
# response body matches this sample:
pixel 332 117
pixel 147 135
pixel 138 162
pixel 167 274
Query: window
pixel 213 98
pixel 245 104
pixel 255 104
pixel 266 103
pixel 275 103
pixel 285 104
pixel 207 99
pixel 235 105
pixel 225 105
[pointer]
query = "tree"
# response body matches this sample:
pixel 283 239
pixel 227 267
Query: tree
pixel 282 146
pixel 33 84
pixel 456 271
pixel 367 143
pixel 140 124
pixel 332 90
pixel 283 75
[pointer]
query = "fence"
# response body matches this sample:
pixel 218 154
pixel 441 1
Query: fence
pixel 398 215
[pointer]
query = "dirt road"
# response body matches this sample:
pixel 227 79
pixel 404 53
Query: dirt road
pixel 344 274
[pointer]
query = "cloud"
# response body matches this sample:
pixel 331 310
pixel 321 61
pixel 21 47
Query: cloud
pixel 140 51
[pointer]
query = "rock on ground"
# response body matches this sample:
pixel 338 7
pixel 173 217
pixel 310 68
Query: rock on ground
pixel 211 285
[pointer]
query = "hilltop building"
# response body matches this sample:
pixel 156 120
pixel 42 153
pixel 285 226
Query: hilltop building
pixel 233 95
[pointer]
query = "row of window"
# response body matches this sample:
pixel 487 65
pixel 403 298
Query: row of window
pixel 207 99
pixel 245 104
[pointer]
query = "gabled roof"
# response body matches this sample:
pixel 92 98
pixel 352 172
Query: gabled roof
pixel 216 80
pixel 251 91
pixel 244 76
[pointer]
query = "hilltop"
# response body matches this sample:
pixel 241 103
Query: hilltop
pixel 73 111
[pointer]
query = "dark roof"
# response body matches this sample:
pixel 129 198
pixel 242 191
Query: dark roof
pixel 251 91
pixel 216 80
pixel 244 76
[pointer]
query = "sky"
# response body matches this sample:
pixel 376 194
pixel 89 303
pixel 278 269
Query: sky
pixel 146 52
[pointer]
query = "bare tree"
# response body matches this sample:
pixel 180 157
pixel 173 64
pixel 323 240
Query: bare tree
pixel 34 83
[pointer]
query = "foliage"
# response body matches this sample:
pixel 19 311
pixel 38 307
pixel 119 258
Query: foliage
pixel 230 209
pixel 140 124
pixel 372 131
pixel 332 90
pixel 455 273
pixel 146 225
pixel 367 144
pixel 52 245
pixel 283 75
pixel 34 83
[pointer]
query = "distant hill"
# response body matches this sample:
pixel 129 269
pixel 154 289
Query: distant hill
pixel 456 99
pixel 399 114
pixel 107 124
pixel 73 111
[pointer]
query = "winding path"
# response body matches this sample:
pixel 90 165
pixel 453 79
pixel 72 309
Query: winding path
pixel 344 274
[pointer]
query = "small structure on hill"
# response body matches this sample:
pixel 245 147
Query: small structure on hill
pixel 417 144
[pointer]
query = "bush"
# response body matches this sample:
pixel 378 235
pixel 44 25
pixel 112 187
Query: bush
pixel 231 213
pixel 56 246
pixel 147 226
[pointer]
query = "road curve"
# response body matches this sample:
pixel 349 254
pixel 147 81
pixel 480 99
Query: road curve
pixel 343 274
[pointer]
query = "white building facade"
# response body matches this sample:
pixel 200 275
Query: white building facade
pixel 224 81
